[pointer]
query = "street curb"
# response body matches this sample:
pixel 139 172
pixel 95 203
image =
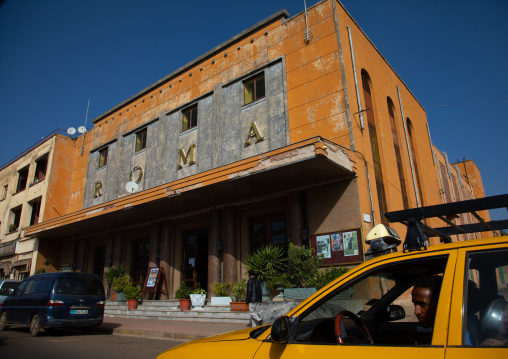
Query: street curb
pixel 156 334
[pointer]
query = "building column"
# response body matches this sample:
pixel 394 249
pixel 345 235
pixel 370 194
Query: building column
pixel 166 262
pixel 213 256
pixel 230 239
pixel 108 257
pixel 119 248
pixel 81 255
pixel 296 217
pixel 154 244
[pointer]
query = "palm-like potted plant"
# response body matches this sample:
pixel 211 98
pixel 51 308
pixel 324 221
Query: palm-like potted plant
pixel 266 263
pixel 198 297
pixel 116 271
pixel 133 294
pixel 183 294
pixel 239 292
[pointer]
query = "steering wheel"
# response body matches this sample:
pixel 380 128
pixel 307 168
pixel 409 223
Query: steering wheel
pixel 358 322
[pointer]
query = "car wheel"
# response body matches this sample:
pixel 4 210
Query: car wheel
pixel 3 321
pixel 35 326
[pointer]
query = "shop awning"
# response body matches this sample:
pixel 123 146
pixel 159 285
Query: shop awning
pixel 295 167
pixel 22 263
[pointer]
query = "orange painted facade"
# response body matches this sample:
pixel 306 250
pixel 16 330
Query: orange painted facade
pixel 329 131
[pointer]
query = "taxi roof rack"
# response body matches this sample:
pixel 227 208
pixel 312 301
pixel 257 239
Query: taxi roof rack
pixel 418 233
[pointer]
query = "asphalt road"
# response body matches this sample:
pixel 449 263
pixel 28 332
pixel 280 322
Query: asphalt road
pixel 16 343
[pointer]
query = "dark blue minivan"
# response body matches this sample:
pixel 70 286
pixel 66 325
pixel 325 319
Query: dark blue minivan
pixel 55 300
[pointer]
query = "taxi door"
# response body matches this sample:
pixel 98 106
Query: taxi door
pixel 436 349
pixel 481 277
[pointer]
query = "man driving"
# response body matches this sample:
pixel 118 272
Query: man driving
pixel 425 296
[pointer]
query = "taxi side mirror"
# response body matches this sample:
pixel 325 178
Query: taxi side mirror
pixel 395 312
pixel 280 330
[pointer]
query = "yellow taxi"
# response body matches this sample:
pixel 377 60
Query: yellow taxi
pixel 443 301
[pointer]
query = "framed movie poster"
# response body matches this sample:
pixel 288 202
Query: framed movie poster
pixel 340 247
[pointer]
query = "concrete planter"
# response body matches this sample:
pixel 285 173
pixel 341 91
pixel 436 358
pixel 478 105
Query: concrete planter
pixel 221 301
pixel 120 297
pixel 198 300
pixel 298 293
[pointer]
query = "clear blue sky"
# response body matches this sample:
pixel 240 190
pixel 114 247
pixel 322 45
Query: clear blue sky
pixel 55 55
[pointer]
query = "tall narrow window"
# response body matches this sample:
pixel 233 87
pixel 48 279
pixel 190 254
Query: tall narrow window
pixel 446 185
pixel 369 110
pixel 190 118
pixel 40 169
pixel 141 140
pixel 16 218
pixel 4 193
pixel 36 208
pixel 22 179
pixel 398 158
pixel 254 88
pixel 103 156
pixel 268 230
pixel 413 156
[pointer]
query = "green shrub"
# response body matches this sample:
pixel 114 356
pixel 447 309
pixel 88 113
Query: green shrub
pixel 199 291
pixel 267 262
pixel 132 292
pixel 183 292
pixel 239 291
pixel 222 289
pixel 116 271
pixel 329 275
pixel 302 267
pixel 120 283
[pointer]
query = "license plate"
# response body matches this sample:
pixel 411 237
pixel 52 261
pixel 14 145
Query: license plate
pixel 79 311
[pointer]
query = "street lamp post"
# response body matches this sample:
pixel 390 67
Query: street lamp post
pixel 220 247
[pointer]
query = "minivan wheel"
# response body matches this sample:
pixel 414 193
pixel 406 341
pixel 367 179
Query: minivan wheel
pixel 3 321
pixel 35 326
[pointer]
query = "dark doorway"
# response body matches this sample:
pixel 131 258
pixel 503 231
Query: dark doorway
pixel 99 259
pixel 195 258
pixel 140 257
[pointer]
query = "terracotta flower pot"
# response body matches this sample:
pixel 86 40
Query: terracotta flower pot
pixel 184 304
pixel 239 307
pixel 132 303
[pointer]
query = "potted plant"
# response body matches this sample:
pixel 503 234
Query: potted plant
pixel 120 284
pixel 183 294
pixel 116 271
pixel 302 269
pixel 222 292
pixel 266 263
pixel 239 293
pixel 198 297
pixel 133 294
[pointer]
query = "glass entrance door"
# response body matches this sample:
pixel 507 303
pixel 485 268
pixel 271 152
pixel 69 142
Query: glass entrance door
pixel 195 258
pixel 140 257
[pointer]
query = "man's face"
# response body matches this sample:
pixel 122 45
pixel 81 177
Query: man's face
pixel 425 306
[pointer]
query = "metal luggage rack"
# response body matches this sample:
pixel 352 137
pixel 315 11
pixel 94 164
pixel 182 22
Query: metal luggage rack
pixel 418 233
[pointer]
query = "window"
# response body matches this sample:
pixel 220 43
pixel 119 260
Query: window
pixel 36 208
pixel 40 169
pixel 378 173
pixel 16 218
pixel 22 179
pixel 4 193
pixel 391 114
pixel 268 230
pixel 413 156
pixel 446 185
pixel 386 300
pixel 103 155
pixel 485 304
pixel 190 118
pixel 254 88
pixel 140 140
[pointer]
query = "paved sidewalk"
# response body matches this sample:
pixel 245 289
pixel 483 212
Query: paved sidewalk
pixel 167 329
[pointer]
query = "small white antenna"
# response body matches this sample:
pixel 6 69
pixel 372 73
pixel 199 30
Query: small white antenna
pixel 308 34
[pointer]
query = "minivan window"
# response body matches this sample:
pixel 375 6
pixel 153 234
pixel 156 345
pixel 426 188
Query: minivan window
pixel 31 287
pixel 19 290
pixel 6 286
pixel 44 285
pixel 79 286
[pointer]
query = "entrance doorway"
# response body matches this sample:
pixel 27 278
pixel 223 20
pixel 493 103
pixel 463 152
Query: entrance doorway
pixel 195 258
pixel 140 257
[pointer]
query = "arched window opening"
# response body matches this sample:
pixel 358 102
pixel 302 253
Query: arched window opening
pixel 413 156
pixel 398 158
pixel 369 109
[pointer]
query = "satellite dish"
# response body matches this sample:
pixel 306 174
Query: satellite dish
pixel 131 187
pixel 81 129
pixel 71 131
